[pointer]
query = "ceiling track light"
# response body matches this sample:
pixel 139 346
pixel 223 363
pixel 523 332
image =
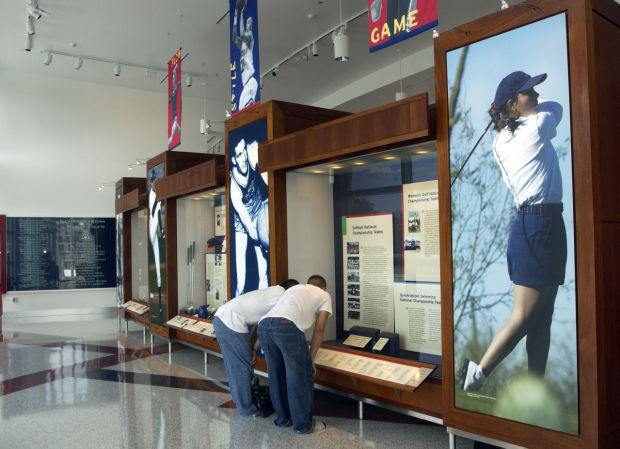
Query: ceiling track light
pixel 30 25
pixel 117 70
pixel 47 58
pixel 314 49
pixel 341 45
pixel 78 63
pixel 188 80
pixel 275 71
pixel 28 43
pixel 504 4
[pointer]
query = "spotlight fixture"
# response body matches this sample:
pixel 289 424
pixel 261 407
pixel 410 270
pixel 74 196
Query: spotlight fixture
pixel 262 82
pixel 205 125
pixel 275 71
pixel 47 58
pixel 228 114
pixel 341 41
pixel 435 34
pixel 78 63
pixel 28 43
pixel 30 25
pixel 341 45
pixel 504 4
pixel 188 80
pixel 117 70
pixel 315 49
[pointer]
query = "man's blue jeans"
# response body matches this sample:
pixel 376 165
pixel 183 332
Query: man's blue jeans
pixel 237 353
pixel 290 372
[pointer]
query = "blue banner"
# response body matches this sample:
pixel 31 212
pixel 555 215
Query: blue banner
pixel 244 65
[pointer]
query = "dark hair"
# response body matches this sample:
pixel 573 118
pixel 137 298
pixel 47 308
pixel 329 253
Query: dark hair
pixel 502 118
pixel 289 283
pixel 318 281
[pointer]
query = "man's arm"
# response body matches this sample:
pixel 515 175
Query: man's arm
pixel 317 336
pixel 255 343
pixel 244 216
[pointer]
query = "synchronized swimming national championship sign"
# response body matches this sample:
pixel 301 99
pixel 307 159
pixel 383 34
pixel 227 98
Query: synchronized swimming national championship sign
pixel 391 21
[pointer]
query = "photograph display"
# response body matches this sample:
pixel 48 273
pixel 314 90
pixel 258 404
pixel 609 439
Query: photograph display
pixel 368 298
pixel 215 278
pixel 157 247
pixel 248 234
pixel 513 257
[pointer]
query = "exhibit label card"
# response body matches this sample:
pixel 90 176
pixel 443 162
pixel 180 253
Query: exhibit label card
pixel 368 271
pixel 417 308
pixel 421 232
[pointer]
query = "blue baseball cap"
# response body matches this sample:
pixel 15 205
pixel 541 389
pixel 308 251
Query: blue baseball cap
pixel 513 84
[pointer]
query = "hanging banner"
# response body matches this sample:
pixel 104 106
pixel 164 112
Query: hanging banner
pixel 244 66
pixel 391 21
pixel 368 271
pixel 174 101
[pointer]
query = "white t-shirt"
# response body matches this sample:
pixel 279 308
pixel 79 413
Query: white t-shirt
pixel 301 304
pixel 248 308
pixel 527 159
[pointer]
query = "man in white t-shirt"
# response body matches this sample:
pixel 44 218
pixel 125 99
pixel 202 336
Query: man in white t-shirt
pixel 289 360
pixel 231 323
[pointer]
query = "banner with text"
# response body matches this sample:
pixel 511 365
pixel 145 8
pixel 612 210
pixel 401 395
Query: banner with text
pixel 391 21
pixel 421 232
pixel 174 101
pixel 244 62
pixel 417 311
pixel 368 271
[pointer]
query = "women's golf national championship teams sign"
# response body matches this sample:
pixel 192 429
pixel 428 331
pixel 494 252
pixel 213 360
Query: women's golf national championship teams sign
pixel 244 67
pixel 391 21
pixel 174 101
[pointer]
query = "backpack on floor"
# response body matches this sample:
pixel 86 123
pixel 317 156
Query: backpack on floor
pixel 261 398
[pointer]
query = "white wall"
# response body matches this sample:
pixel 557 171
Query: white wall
pixel 61 139
pixel 309 199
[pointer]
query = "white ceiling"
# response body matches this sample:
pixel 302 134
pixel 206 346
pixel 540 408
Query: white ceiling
pixel 148 32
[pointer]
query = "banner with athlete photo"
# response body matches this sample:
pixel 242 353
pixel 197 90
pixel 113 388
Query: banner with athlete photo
pixel 391 21
pixel 174 101
pixel 244 64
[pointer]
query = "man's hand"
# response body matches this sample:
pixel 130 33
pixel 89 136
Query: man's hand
pixel 254 359
pixel 313 370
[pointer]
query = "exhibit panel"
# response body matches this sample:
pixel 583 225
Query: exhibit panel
pixel 368 197
pixel 521 247
pixel 164 183
pixel 139 264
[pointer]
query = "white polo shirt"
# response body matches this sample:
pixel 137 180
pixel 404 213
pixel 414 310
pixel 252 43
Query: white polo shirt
pixel 527 159
pixel 301 304
pixel 248 308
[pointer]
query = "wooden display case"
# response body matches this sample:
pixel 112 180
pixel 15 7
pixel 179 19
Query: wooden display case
pixel 370 133
pixel 130 196
pixel 592 70
pixel 164 170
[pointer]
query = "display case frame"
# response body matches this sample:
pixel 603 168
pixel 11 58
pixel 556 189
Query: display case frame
pixel 391 126
pixel 130 197
pixel 592 26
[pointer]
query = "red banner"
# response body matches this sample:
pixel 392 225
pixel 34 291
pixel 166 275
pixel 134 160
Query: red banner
pixel 391 21
pixel 174 101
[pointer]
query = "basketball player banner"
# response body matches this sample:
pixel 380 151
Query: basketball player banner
pixel 391 21
pixel 244 61
pixel 174 101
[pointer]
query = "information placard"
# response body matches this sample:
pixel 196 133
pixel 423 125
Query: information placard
pixel 417 308
pixel 50 253
pixel 368 271
pixel 421 232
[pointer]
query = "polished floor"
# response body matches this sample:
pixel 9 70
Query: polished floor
pixel 84 384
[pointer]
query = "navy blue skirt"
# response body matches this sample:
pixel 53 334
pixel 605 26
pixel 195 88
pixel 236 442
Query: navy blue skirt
pixel 536 252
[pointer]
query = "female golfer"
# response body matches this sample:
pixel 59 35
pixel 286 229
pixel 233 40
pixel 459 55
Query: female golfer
pixel 536 254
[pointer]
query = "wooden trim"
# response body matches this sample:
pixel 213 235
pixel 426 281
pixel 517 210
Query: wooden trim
pixel 204 176
pixel 128 202
pixel 390 124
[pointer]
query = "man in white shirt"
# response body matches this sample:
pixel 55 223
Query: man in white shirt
pixel 231 323
pixel 289 360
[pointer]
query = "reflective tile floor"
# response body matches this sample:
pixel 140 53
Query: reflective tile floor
pixel 84 384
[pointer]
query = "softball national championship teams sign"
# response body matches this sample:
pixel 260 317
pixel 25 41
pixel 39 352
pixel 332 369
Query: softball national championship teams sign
pixel 391 21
